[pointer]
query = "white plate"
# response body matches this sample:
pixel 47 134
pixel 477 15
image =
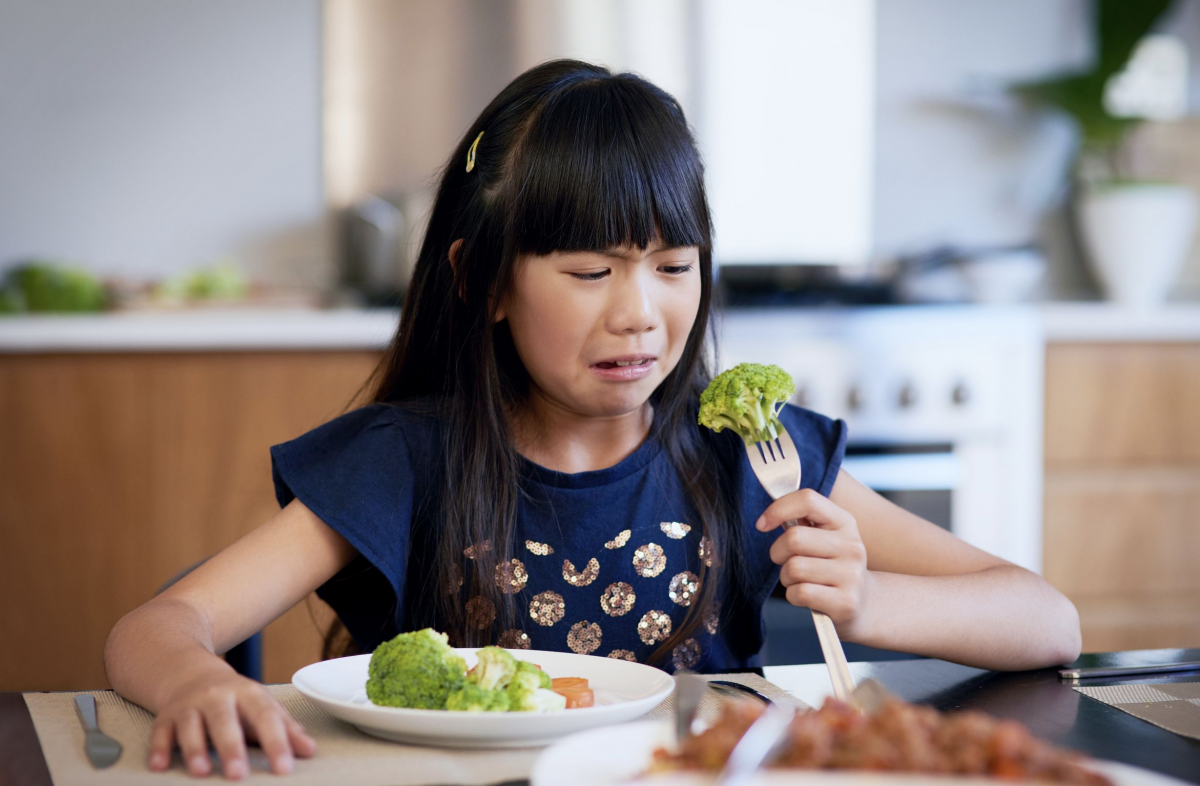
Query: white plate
pixel 624 691
pixel 618 755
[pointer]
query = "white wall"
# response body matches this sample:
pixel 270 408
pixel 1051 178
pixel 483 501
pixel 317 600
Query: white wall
pixel 139 137
pixel 957 161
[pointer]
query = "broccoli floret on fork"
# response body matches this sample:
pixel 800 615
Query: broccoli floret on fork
pixel 747 398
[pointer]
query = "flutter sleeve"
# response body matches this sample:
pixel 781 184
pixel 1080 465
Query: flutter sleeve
pixel 356 474
pixel 821 443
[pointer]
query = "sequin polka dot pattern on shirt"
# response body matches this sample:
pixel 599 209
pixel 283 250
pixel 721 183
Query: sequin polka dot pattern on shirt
pixel 547 608
pixel 618 599
pixel 654 627
pixel 511 576
pixel 477 550
pixel 686 655
pixel 455 581
pixel 540 549
pixel 675 530
pixel 581 578
pixel 623 655
pixel 584 637
pixel 712 620
pixel 481 613
pixel 649 560
pixel 620 540
pixel 683 588
pixel 514 640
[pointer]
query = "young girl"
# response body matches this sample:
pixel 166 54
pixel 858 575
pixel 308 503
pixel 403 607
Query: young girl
pixel 531 472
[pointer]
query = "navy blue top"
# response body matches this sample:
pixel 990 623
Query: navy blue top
pixel 605 562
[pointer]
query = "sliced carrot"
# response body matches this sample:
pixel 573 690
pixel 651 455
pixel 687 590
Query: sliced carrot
pixel 575 690
pixel 568 682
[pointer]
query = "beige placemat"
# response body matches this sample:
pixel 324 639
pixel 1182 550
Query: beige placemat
pixel 1174 706
pixel 345 755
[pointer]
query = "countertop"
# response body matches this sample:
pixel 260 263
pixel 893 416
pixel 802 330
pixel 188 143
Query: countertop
pixel 371 329
pixel 1107 322
pixel 201 330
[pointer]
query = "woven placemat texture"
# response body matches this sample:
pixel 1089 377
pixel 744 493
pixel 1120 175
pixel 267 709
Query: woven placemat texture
pixel 1174 706
pixel 344 754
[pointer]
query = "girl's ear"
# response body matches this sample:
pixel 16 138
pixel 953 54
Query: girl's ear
pixel 455 249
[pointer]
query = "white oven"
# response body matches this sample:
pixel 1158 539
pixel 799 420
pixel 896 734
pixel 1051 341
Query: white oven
pixel 944 410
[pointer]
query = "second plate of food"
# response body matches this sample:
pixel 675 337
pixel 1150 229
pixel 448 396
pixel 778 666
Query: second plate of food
pixel 621 756
pixel 623 691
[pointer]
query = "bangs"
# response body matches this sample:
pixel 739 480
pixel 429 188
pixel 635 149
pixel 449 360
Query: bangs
pixel 609 164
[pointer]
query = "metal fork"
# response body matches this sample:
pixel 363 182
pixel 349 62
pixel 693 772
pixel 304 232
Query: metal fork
pixel 777 466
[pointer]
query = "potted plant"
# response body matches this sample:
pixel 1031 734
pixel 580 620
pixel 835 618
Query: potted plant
pixel 1136 233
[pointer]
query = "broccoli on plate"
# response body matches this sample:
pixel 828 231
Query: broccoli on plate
pixel 747 398
pixel 530 691
pixel 421 671
pixel 472 698
pixel 493 669
pixel 418 670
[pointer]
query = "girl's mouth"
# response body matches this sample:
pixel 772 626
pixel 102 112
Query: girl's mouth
pixel 624 368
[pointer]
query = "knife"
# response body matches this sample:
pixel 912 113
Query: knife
pixel 102 750
pixel 758 745
pixel 689 689
pixel 731 688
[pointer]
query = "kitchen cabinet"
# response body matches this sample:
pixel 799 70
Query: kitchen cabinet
pixel 118 470
pixel 1122 490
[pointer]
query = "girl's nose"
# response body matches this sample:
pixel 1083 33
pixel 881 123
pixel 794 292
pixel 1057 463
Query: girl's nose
pixel 633 308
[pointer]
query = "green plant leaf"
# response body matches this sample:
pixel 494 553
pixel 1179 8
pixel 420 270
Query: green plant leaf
pixel 1118 26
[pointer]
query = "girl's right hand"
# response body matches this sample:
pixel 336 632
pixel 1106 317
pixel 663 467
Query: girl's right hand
pixel 228 709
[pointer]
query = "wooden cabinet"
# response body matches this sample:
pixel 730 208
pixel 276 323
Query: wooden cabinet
pixel 119 470
pixel 1122 490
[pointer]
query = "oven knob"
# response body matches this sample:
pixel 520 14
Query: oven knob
pixel 960 395
pixel 908 396
pixel 802 398
pixel 854 399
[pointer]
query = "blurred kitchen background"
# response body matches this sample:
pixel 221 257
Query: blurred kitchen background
pixel 968 227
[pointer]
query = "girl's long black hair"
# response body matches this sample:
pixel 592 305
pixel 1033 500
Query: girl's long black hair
pixel 572 158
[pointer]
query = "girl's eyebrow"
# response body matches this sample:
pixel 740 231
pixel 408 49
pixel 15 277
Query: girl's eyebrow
pixel 654 249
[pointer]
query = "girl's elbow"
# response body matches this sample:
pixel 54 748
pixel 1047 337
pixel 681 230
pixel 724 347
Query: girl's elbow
pixel 1068 638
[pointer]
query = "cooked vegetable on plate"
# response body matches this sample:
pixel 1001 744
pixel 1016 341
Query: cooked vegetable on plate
pixel 420 670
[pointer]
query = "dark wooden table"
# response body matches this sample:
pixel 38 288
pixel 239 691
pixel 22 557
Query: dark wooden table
pixel 1049 707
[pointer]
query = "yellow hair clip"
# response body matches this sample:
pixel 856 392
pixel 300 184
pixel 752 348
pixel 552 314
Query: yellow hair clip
pixel 471 152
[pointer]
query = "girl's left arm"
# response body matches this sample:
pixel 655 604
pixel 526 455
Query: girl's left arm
pixel 893 580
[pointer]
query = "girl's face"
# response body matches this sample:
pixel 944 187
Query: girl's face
pixel 598 331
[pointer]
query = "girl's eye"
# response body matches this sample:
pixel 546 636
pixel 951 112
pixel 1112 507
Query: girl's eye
pixel 676 270
pixel 599 274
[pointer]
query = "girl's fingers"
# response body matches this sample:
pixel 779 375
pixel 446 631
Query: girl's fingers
pixel 225 728
pixel 818 597
pixel 264 723
pixel 798 570
pixel 189 731
pixel 808 542
pixel 303 745
pixel 162 738
pixel 805 504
